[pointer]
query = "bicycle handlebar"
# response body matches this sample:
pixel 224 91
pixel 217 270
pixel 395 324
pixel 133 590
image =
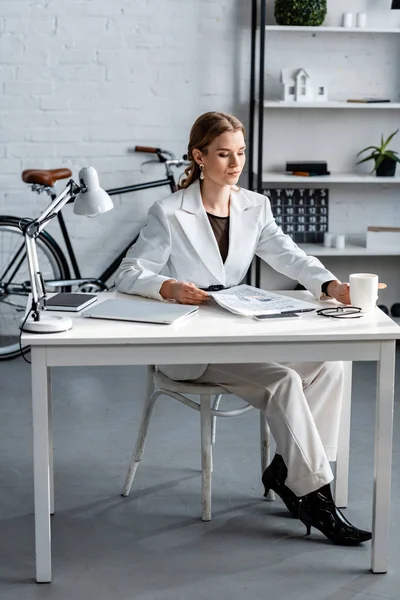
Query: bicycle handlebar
pixel 178 162
pixel 163 156
pixel 147 149
pixel 161 153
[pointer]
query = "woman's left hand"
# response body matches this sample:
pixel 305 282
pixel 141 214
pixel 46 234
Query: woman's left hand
pixel 339 291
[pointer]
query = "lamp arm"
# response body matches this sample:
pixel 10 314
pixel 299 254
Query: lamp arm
pixel 37 287
pixel 31 232
pixel 36 226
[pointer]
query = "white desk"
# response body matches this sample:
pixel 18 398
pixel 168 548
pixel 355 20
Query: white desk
pixel 213 335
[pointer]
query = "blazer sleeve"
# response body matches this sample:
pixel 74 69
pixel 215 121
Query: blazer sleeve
pixel 139 272
pixel 282 254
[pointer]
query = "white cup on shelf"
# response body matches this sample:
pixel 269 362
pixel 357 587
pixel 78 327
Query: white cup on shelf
pixel 361 20
pixel 364 290
pixel 340 241
pixel 347 19
pixel 328 239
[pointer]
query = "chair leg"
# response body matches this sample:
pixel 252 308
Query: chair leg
pixel 150 381
pixel 205 414
pixel 265 448
pixel 215 406
pixel 343 453
pixel 140 444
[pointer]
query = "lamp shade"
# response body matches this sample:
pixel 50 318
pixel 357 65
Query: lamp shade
pixel 396 5
pixel 92 200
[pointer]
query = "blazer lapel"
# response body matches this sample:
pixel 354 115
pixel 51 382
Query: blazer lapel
pixel 243 230
pixel 196 226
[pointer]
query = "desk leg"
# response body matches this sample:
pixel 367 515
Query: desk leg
pixel 51 446
pixel 383 458
pixel 41 457
pixel 343 453
pixel 205 417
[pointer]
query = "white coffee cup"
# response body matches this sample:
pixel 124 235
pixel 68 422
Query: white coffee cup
pixel 364 290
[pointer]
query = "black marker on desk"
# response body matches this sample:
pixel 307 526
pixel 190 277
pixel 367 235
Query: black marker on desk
pixel 284 314
pixel 301 310
pixel 289 315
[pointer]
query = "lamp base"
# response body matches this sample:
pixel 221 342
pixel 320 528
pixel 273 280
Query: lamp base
pixel 47 324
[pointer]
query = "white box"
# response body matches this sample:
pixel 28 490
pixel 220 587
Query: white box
pixel 380 238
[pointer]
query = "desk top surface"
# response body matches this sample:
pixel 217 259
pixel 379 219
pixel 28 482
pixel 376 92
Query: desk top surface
pixel 214 324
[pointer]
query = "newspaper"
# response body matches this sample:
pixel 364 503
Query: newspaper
pixel 248 301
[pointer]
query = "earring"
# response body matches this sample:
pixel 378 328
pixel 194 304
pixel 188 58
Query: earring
pixel 201 171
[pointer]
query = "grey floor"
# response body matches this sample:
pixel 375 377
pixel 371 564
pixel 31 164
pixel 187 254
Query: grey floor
pixel 153 544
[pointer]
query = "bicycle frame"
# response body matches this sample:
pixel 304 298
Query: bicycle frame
pixel 105 276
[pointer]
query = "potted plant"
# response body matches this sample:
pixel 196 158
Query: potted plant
pixel 385 160
pixel 305 13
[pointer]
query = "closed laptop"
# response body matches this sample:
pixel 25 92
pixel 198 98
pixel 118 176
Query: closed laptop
pixel 142 311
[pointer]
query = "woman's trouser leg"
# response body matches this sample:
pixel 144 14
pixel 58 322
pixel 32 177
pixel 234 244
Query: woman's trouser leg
pixel 279 389
pixel 323 389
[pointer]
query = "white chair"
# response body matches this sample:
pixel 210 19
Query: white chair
pixel 158 384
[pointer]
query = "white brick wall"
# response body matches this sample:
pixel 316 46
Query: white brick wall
pixel 84 80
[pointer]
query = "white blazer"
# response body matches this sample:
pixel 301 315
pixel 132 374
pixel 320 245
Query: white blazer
pixel 178 242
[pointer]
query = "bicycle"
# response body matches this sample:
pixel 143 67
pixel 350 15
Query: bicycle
pixel 55 268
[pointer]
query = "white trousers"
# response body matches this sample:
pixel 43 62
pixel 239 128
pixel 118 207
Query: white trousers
pixel 302 402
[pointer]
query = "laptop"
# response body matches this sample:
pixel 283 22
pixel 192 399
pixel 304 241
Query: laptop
pixel 141 311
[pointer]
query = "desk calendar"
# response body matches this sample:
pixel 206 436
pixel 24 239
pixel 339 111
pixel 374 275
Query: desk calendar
pixel 301 213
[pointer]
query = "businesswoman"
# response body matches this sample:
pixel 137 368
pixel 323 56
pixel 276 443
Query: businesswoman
pixel 207 234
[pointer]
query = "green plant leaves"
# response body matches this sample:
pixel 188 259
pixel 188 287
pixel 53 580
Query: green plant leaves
pixel 300 12
pixel 368 148
pixel 391 136
pixel 380 152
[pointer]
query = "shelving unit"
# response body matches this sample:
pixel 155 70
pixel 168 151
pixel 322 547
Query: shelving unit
pixel 344 30
pixel 351 249
pixel 271 177
pixel 332 105
pixel 260 176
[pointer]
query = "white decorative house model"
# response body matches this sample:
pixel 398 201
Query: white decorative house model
pixel 304 85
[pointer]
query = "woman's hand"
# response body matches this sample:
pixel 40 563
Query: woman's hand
pixel 182 292
pixel 339 291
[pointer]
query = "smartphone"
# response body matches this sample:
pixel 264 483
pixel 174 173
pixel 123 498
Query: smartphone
pixel 278 316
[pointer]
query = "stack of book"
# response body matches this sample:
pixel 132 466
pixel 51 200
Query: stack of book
pixel 368 100
pixel 310 168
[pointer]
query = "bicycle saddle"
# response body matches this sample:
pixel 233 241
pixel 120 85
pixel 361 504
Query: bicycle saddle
pixel 45 177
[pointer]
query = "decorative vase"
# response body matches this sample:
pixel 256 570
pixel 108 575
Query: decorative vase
pixel 387 168
pixel 300 12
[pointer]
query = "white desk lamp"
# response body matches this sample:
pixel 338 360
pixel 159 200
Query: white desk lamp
pixel 90 200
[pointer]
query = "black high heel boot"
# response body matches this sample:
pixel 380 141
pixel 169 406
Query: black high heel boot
pixel 319 510
pixel 274 478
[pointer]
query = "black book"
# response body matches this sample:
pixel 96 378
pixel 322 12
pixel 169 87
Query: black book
pixel 319 167
pixel 368 100
pixel 69 301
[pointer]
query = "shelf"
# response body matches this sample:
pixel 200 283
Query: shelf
pixel 336 105
pixel 349 250
pixel 331 29
pixel 270 177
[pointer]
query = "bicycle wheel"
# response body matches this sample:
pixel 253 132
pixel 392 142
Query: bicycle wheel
pixel 14 279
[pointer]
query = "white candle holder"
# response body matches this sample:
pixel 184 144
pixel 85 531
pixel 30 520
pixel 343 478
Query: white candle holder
pixel 348 20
